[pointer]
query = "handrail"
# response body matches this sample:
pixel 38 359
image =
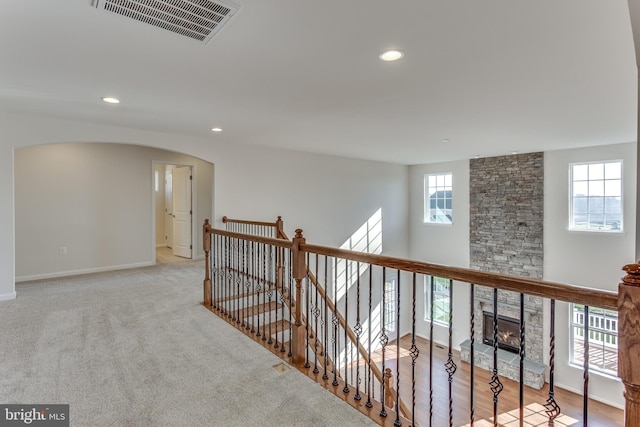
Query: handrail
pixel 277 225
pixel 243 221
pixel 352 336
pixel 253 238
pixel 558 291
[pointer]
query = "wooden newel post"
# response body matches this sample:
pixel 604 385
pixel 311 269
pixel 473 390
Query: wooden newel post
pixel 388 395
pixel 280 228
pixel 206 244
pixel 629 342
pixel 299 264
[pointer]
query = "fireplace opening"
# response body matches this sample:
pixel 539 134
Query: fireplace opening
pixel 508 332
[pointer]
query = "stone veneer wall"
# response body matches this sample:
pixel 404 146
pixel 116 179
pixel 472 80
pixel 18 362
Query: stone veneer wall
pixel 506 218
pixel 506 231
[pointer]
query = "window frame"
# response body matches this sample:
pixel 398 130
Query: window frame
pixel 442 187
pixel 600 317
pixel 440 296
pixel 572 199
pixel 391 304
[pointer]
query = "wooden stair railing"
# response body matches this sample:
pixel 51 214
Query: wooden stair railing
pixel 386 411
pixel 276 229
pixel 382 379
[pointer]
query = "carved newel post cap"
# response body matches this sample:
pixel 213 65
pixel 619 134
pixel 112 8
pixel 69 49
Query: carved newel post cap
pixel 633 275
pixel 299 233
pixel 224 219
pixel 206 222
pixel 279 218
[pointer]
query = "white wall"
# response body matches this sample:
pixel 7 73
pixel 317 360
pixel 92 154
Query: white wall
pixel 96 200
pixel 583 258
pixel 442 243
pixel 329 197
pixel 586 259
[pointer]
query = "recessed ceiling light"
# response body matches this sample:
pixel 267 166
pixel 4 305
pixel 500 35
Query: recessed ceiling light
pixel 111 100
pixel 216 129
pixel 391 55
pixel 445 140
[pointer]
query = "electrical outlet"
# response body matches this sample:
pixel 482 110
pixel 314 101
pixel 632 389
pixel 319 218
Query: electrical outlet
pixel 62 250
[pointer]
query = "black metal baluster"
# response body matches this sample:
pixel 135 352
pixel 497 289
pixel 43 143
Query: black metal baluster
pixel 232 272
pixel 223 274
pixel 334 320
pixel 265 286
pixel 383 341
pixel 496 385
pixel 283 296
pixel 316 314
pixel 258 291
pixel 269 289
pixel 247 284
pixel 369 404
pixel 346 324
pixel 292 303
pixel 214 271
pixel 414 352
pixel 585 374
pixel 522 356
pixel 243 279
pixel 229 279
pixel 220 272
pixel 472 342
pixel 431 314
pixel 254 290
pixel 238 280
pixel 306 323
pixel 325 327
pixel 358 330
pixel 450 365
pixel 551 407
pixel 397 422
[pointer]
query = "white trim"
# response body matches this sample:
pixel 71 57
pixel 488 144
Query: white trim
pixel 84 271
pixel 8 297
pixel 591 395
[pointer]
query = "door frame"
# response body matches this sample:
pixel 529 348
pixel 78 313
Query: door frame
pixel 194 204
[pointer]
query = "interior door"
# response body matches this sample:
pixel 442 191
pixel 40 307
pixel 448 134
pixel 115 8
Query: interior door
pixel 168 206
pixel 182 211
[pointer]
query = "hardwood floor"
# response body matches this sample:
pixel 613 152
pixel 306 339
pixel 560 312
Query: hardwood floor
pixel 599 415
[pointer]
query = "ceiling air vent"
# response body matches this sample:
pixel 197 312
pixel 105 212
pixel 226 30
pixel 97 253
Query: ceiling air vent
pixel 198 19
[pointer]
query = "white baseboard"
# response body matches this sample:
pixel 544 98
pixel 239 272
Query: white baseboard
pixel 8 297
pixel 84 271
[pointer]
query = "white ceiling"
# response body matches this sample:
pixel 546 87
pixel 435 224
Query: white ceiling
pixel 491 76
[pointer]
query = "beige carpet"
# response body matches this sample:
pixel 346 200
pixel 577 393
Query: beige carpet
pixel 135 348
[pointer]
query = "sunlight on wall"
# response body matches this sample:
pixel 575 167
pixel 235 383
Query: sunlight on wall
pixel 367 238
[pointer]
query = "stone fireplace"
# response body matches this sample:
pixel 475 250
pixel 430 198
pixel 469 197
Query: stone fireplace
pixel 508 352
pixel 508 332
pixel 505 237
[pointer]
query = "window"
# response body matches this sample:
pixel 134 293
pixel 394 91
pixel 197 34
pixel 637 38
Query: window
pixel 596 196
pixel 603 338
pixel 441 288
pixel 390 304
pixel 437 198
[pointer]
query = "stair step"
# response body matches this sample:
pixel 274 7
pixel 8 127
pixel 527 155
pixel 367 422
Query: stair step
pixel 258 309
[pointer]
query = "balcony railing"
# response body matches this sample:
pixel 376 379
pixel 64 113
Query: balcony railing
pixel 327 312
